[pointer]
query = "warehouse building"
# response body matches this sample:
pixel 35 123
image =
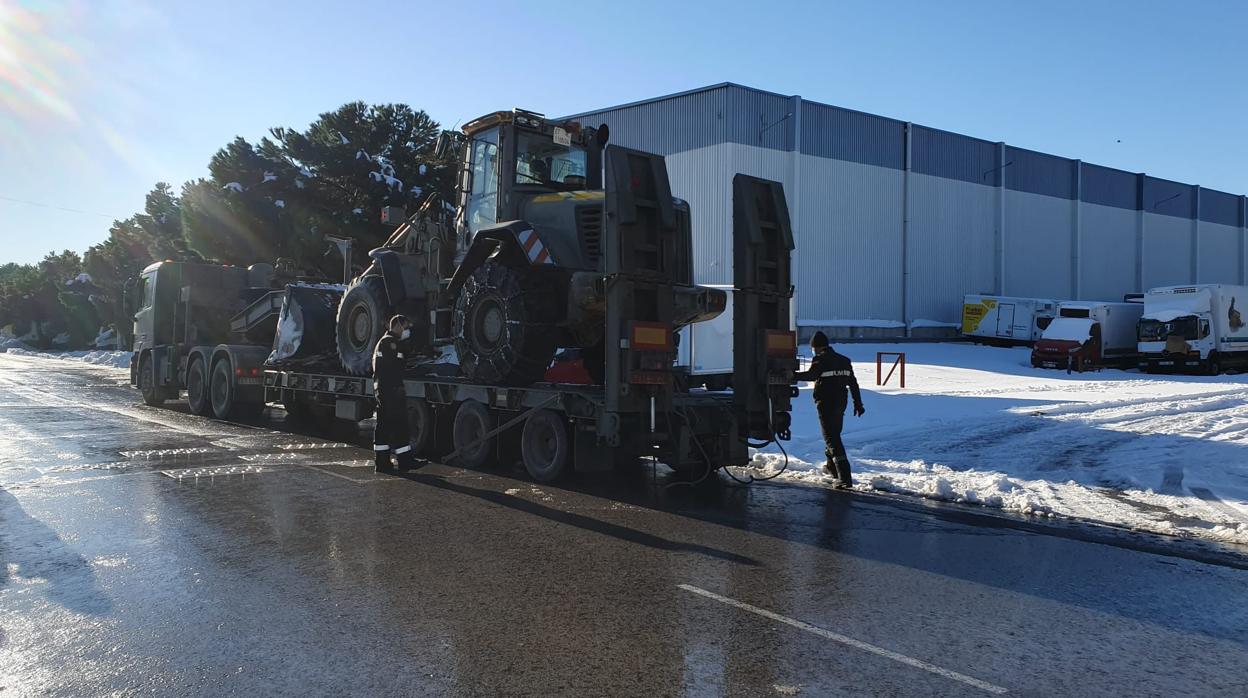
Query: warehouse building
pixel 912 218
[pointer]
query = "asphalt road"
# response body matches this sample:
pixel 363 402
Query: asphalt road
pixel 144 550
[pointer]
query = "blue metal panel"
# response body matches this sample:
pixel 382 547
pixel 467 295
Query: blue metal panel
pixel 1166 198
pixel 843 134
pixel 1109 187
pixel 953 156
pixel 1219 207
pixel 671 125
pixel 1039 173
pixel 759 119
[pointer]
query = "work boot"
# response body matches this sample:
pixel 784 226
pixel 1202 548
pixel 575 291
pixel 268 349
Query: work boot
pixel 407 461
pixel 383 464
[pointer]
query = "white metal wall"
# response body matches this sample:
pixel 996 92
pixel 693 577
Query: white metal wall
pixel 848 260
pixel 1218 254
pixel 951 248
pixel 1107 252
pixel 850 234
pixel 1167 250
pixel 1038 241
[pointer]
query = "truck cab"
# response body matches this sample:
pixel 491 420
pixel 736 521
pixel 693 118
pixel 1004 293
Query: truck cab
pixel 1196 328
pixel 1089 334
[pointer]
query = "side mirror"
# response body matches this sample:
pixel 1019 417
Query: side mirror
pixel 601 134
pixel 442 146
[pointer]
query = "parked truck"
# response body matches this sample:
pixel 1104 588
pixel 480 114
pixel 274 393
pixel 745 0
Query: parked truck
pixel 1089 334
pixel 557 241
pixel 1006 320
pixel 1196 328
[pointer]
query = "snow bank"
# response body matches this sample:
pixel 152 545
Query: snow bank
pixel 110 359
pixel 979 426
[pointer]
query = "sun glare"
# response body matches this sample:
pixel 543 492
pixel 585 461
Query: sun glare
pixel 33 64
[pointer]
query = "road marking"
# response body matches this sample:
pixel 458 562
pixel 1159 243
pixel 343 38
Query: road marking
pixel 846 640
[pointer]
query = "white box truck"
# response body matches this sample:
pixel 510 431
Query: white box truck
pixel 706 348
pixel 1089 334
pixel 1196 328
pixel 1006 320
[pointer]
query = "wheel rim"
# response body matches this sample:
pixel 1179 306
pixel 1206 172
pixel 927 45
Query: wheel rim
pixel 360 327
pixel 474 429
pixel 544 444
pixel 488 324
pixel 220 389
pixel 195 385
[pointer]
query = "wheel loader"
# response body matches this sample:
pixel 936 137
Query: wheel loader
pixel 517 268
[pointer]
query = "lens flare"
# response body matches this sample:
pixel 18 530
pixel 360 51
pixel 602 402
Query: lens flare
pixel 34 64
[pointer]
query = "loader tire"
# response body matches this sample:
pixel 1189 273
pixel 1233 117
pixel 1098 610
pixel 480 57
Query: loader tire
pixel 504 326
pixel 362 318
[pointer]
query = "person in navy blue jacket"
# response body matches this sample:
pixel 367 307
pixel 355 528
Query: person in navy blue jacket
pixel 392 435
pixel 834 379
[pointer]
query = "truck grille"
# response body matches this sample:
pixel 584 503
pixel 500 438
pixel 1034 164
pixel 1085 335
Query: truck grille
pixel 589 230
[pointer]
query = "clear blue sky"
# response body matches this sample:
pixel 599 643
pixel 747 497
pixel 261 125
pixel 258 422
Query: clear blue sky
pixel 100 99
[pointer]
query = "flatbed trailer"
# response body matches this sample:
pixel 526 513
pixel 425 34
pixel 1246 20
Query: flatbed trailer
pixel 552 428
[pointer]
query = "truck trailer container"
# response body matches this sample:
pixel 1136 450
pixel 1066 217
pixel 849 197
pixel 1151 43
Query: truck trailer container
pixel 1006 320
pixel 1195 328
pixel 706 349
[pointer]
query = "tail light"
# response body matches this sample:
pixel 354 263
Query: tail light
pixel 781 342
pixel 650 336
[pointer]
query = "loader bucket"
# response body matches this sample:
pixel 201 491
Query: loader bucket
pixel 306 327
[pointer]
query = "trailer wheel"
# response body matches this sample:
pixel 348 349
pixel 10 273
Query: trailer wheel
pixel 197 388
pixel 422 423
pixel 362 319
pixel 472 423
pixel 545 446
pixel 225 404
pixel 152 395
pixel 503 326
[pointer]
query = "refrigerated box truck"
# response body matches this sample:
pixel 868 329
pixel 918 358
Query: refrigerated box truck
pixel 1195 328
pixel 706 349
pixel 1006 320
pixel 1089 334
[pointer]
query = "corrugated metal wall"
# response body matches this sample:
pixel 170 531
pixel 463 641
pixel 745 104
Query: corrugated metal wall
pixel 1038 241
pixel 1107 252
pixel 951 247
pixel 1167 249
pixel 982 216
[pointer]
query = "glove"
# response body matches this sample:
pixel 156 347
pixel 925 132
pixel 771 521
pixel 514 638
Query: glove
pixel 859 410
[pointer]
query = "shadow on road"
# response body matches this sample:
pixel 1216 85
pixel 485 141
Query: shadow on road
pixel 587 523
pixel 30 549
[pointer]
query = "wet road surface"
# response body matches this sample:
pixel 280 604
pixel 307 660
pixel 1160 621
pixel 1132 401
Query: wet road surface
pixel 145 550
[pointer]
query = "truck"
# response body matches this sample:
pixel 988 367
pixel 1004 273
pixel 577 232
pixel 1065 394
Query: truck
pixel 705 349
pixel 1006 320
pixel 557 241
pixel 1195 328
pixel 1089 334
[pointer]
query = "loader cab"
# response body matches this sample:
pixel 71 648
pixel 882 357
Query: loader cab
pixel 512 157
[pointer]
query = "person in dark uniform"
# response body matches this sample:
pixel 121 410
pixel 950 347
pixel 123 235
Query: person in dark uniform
pixel 833 375
pixel 391 436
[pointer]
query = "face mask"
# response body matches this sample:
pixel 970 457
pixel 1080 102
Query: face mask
pixel 405 334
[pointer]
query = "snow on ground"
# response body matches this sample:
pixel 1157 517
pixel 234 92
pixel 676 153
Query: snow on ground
pixel 978 425
pixel 109 359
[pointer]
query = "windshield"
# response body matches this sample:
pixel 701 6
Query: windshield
pixel 1186 327
pixel 540 160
